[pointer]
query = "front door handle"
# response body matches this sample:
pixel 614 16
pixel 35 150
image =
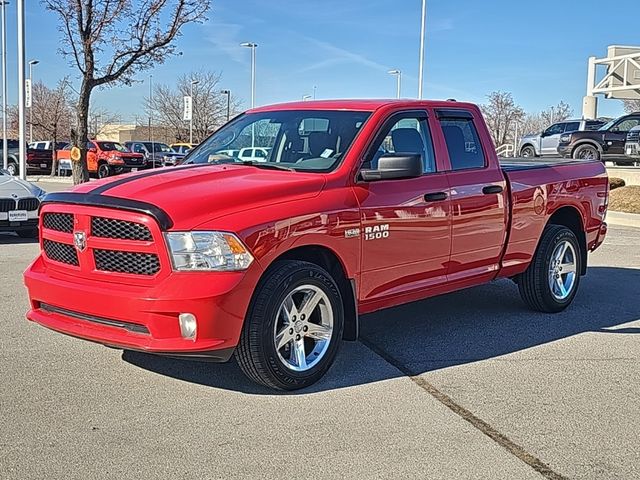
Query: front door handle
pixel 435 197
pixel 492 189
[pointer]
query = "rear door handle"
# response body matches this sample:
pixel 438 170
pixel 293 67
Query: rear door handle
pixel 492 189
pixel 435 197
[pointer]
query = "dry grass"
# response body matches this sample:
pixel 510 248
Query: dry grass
pixel 615 182
pixel 625 199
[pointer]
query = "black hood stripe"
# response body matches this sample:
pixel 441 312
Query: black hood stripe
pixel 151 173
pixel 91 199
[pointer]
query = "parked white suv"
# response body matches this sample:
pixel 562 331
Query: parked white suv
pixel 546 143
pixel 257 154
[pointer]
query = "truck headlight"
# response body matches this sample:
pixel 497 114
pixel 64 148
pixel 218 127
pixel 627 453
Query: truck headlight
pixel 565 138
pixel 115 161
pixel 209 251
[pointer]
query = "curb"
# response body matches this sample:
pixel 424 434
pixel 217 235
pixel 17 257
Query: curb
pixel 623 219
pixel 49 179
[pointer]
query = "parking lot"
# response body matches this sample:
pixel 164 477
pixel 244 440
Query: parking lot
pixel 468 385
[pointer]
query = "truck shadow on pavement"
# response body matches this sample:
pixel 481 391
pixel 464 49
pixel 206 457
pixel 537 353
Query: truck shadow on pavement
pixel 463 327
pixel 7 238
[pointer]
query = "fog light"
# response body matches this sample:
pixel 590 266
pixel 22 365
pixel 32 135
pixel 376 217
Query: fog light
pixel 188 326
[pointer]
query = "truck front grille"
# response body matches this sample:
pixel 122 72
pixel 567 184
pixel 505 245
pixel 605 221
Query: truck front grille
pixel 127 262
pixel 60 252
pixel 119 229
pixel 29 204
pixel 61 222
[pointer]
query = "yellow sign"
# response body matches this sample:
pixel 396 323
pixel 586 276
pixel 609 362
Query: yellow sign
pixel 75 154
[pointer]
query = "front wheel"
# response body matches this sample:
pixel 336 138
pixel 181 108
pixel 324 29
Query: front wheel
pixel 551 281
pixel 293 328
pixel 12 168
pixel 103 170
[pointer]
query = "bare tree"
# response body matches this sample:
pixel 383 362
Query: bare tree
pixel 99 118
pixel 110 40
pixel 501 114
pixel 537 122
pixel 52 113
pixel 209 105
pixel 631 106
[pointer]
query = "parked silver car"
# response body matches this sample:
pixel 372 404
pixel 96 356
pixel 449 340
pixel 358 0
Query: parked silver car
pixel 546 142
pixel 19 204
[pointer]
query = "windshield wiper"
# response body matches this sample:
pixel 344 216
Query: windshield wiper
pixel 269 166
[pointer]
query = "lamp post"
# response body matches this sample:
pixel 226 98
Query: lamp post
pixel 193 82
pixel 315 87
pixel 228 94
pixel 153 146
pixel 32 63
pixel 422 33
pixel 398 75
pixel 22 127
pixel 253 47
pixel 5 153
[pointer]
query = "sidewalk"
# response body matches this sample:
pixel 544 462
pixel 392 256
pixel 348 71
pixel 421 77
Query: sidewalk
pixel 623 219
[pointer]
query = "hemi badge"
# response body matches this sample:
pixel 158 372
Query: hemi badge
pixel 352 233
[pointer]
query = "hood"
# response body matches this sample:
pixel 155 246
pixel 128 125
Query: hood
pixel 11 187
pixel 587 134
pixel 195 194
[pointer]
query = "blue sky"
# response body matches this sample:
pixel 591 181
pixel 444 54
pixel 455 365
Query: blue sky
pixel 536 50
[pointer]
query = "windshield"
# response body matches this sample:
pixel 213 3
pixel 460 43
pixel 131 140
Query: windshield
pixel 111 146
pixel 157 147
pixel 309 140
pixel 607 125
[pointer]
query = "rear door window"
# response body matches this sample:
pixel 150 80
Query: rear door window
pixel 463 143
pixel 571 126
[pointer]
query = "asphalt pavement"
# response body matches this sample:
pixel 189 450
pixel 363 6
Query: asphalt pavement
pixel 468 385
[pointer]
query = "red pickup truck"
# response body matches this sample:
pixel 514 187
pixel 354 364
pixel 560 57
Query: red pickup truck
pixel 359 206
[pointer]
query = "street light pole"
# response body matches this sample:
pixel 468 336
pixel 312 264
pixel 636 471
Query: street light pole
pixel 228 94
pixel 398 74
pixel 5 152
pixel 22 130
pixel 422 33
pixel 253 47
pixel 31 65
pixel 193 82
pixel 153 146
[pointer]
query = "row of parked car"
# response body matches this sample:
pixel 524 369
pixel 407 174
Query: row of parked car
pixel 616 141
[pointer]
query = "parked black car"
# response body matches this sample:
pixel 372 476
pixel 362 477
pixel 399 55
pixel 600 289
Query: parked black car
pixel 606 143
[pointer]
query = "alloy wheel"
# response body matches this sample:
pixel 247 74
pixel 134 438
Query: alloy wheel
pixel 562 270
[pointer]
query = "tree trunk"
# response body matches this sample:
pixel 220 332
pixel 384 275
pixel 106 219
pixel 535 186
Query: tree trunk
pixel 80 139
pixel 54 152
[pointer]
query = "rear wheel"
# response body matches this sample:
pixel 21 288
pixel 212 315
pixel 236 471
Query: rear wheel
pixel 293 328
pixel 551 281
pixel 586 152
pixel 527 152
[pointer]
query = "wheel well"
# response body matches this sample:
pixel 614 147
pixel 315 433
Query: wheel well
pixel 327 259
pixel 570 217
pixel 527 145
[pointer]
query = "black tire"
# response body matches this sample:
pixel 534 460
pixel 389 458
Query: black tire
pixel 31 233
pixel 527 152
pixel 586 152
pixel 12 168
pixel 256 352
pixel 534 285
pixel 104 170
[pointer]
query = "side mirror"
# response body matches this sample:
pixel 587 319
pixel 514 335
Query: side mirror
pixel 394 167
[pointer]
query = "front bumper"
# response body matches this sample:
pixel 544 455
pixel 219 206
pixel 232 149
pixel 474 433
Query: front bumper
pixel 564 150
pixel 144 318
